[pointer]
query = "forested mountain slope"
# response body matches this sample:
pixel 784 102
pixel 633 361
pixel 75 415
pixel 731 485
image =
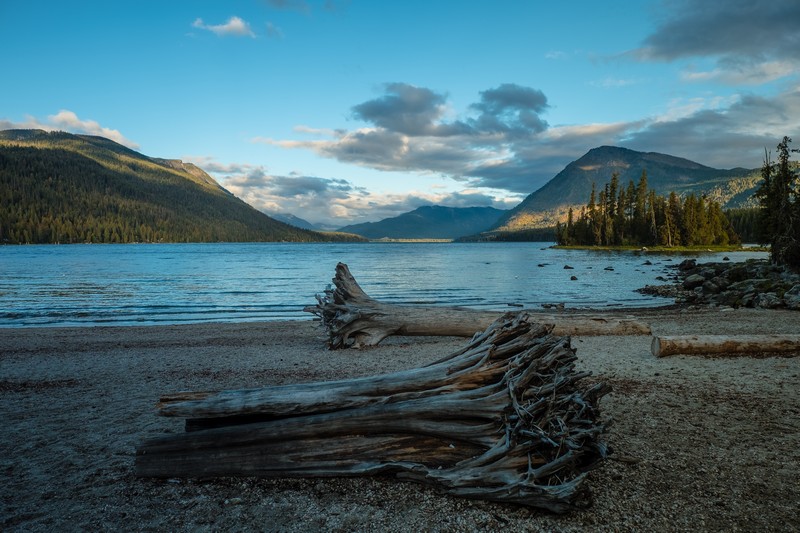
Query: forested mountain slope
pixel 57 187
pixel 731 188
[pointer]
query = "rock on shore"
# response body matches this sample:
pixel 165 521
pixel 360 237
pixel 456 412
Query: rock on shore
pixel 754 283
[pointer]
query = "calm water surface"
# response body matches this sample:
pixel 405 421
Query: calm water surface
pixel 181 283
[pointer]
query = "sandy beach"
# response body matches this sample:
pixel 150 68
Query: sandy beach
pixel 699 443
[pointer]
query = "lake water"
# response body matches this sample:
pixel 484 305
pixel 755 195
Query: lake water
pixel 182 283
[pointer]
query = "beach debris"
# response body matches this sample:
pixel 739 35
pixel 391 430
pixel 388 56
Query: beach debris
pixel 665 345
pixel 353 319
pixel 507 418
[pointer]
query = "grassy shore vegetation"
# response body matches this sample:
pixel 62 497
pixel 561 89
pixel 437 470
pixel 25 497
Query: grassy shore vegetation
pixel 636 216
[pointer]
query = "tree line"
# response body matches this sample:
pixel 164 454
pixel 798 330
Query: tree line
pixel 636 216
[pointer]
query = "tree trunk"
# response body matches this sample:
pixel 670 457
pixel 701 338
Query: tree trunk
pixel 354 320
pixel 507 418
pixel 724 344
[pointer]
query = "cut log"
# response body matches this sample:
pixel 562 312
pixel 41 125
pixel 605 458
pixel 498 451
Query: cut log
pixel 723 344
pixel 507 418
pixel 353 319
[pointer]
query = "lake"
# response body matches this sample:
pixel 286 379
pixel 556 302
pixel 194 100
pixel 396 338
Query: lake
pixel 144 284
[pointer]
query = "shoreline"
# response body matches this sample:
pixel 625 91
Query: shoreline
pixel 698 442
pixel 616 310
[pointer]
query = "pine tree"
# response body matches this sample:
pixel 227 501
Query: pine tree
pixel 640 208
pixel 780 207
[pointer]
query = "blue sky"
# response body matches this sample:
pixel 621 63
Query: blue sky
pixel 351 111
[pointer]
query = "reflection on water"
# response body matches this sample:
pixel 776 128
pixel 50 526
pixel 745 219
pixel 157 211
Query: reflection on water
pixel 180 283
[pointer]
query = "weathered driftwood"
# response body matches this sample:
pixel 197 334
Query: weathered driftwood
pixel 723 344
pixel 353 319
pixel 507 418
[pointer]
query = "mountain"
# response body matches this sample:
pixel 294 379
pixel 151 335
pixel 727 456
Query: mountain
pixel 430 222
pixel 297 222
pixel 665 173
pixel 57 187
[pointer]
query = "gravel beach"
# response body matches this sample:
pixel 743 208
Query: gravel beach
pixel 700 443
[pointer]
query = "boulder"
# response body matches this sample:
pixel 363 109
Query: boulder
pixel 768 300
pixel 692 281
pixel 792 298
pixel 709 287
pixel 748 300
pixel 720 282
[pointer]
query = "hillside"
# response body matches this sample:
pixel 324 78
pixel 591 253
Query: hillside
pixel 56 187
pixel 430 222
pixel 665 173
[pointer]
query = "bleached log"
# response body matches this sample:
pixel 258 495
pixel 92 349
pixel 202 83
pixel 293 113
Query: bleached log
pixel 507 418
pixel 665 345
pixel 353 319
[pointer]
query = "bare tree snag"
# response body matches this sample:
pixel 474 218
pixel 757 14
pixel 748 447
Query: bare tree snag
pixel 507 418
pixel 724 344
pixel 354 320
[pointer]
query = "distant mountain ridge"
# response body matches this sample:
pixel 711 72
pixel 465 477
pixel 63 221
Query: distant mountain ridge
pixel 665 173
pixel 430 222
pixel 292 220
pixel 56 187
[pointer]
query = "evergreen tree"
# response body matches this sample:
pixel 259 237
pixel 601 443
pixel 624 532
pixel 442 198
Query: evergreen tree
pixel 619 219
pixel 780 207
pixel 640 222
pixel 613 187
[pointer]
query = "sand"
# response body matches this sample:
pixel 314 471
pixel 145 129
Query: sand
pixel 699 443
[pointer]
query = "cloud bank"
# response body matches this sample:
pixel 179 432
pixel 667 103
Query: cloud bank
pixel 66 120
pixel 505 143
pixel 750 41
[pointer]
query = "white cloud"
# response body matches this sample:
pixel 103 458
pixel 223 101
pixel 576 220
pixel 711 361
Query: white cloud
pixel 613 83
pixel 235 27
pixel 68 121
pixel 680 108
pixel 746 73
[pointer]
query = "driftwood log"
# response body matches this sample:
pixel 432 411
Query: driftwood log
pixel 353 319
pixel 507 418
pixel 723 344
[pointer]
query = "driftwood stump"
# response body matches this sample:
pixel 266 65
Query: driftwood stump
pixel 353 319
pixel 507 418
